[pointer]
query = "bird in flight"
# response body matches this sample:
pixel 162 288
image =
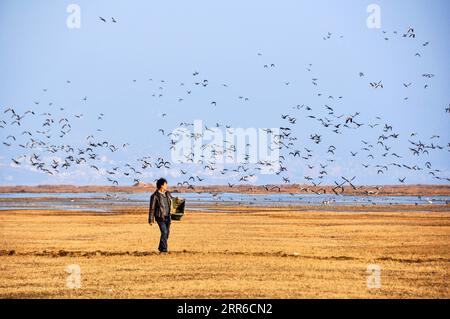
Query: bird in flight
pixel 376 85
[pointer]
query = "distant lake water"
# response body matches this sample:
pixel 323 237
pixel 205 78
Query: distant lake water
pixel 95 201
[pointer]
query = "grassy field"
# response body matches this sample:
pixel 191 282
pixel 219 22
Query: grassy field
pixel 257 253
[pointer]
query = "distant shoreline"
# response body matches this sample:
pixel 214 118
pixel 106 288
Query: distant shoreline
pixel 375 190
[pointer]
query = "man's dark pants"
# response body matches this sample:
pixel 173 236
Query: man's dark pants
pixel 164 226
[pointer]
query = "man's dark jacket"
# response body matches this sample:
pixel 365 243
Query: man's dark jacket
pixel 155 211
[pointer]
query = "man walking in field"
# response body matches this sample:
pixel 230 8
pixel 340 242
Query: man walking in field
pixel 159 210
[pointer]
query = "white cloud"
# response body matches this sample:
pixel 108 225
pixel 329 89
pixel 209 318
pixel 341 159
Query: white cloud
pixel 105 159
pixel 8 177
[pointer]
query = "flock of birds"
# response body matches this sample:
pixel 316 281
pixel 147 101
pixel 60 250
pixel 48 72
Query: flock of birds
pixel 113 20
pixel 375 153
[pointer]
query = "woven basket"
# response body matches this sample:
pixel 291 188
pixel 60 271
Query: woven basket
pixel 177 209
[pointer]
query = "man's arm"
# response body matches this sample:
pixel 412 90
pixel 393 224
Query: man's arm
pixel 171 200
pixel 151 210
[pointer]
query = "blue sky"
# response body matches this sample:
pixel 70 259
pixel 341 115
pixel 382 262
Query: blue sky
pixel 111 64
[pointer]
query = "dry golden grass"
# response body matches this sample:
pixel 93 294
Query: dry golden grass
pixel 271 253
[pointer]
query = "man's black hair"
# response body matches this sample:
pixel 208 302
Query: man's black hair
pixel 160 182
